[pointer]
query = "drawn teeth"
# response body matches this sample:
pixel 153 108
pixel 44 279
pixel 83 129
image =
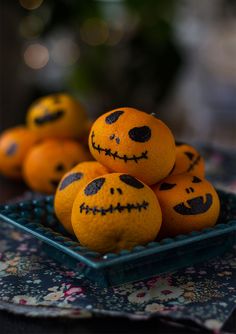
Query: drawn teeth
pixel 115 155
pixel 103 211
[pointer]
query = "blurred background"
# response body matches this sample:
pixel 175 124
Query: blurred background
pixel 175 58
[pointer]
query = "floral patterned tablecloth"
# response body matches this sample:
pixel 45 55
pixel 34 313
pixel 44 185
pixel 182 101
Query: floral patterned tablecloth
pixel 33 284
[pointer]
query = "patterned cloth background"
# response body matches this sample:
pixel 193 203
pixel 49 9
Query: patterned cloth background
pixel 33 284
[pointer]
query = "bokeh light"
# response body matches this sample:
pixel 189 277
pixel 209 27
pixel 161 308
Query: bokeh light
pixel 94 31
pixel 65 52
pixel 36 56
pixel 31 4
pixel 31 26
pixel 115 35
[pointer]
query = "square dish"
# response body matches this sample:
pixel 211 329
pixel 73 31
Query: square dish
pixel 37 218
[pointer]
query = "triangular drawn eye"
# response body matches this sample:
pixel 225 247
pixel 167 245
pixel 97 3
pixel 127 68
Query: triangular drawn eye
pixel 179 143
pixel 190 155
pixel 196 179
pixel 131 181
pixel 113 117
pixel 167 186
pixel 94 186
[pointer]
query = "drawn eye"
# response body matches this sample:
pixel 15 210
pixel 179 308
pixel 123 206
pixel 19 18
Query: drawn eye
pixel 196 179
pixel 70 179
pixel 113 117
pixel 60 168
pixel 140 134
pixel 167 186
pixel 11 150
pixel 190 155
pixel 131 181
pixel 94 186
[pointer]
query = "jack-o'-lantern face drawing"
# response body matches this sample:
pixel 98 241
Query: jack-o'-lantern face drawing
pixel 114 212
pixel 57 115
pixel 130 141
pixel 188 203
pixel 14 146
pixel 47 162
pixel 188 160
pixel 69 186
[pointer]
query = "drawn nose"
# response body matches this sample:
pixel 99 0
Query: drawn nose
pixel 113 136
pixel 189 190
pixel 112 191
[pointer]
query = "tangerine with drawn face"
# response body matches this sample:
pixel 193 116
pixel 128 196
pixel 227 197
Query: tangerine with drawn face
pixel 14 146
pixel 130 141
pixel 47 162
pixel 188 160
pixel 69 186
pixel 188 203
pixel 58 116
pixel 114 212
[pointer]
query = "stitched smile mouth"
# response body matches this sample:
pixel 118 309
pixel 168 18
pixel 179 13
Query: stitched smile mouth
pixel 115 155
pixel 113 208
pixel 49 118
pixel 194 163
pixel 195 206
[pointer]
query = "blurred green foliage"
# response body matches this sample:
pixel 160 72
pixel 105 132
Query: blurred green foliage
pixel 139 69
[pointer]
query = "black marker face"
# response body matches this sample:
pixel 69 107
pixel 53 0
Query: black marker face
pixel 49 117
pixel 94 186
pixel 167 186
pixel 60 168
pixel 190 155
pixel 113 117
pixel 131 181
pixel 196 180
pixel 179 143
pixel 11 150
pixel 70 179
pixel 54 183
pixel 195 206
pixel 140 134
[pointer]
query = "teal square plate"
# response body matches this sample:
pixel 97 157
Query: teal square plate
pixel 37 218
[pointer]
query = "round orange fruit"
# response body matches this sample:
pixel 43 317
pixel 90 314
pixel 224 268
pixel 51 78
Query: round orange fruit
pixel 188 203
pixel 130 141
pixel 69 186
pixel 57 116
pixel 188 160
pixel 114 212
pixel 47 162
pixel 14 146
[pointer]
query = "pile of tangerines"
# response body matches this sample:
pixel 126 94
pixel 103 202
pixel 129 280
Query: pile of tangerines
pixel 142 185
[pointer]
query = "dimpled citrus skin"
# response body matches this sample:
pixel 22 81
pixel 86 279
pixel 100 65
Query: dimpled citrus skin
pixel 190 216
pixel 44 118
pixel 188 160
pixel 47 162
pixel 130 141
pixel 14 145
pixel 109 214
pixel 69 186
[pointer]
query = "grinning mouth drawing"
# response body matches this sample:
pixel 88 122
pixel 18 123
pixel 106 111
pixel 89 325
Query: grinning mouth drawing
pixel 111 209
pixel 195 206
pixel 194 163
pixel 115 154
pixel 49 117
